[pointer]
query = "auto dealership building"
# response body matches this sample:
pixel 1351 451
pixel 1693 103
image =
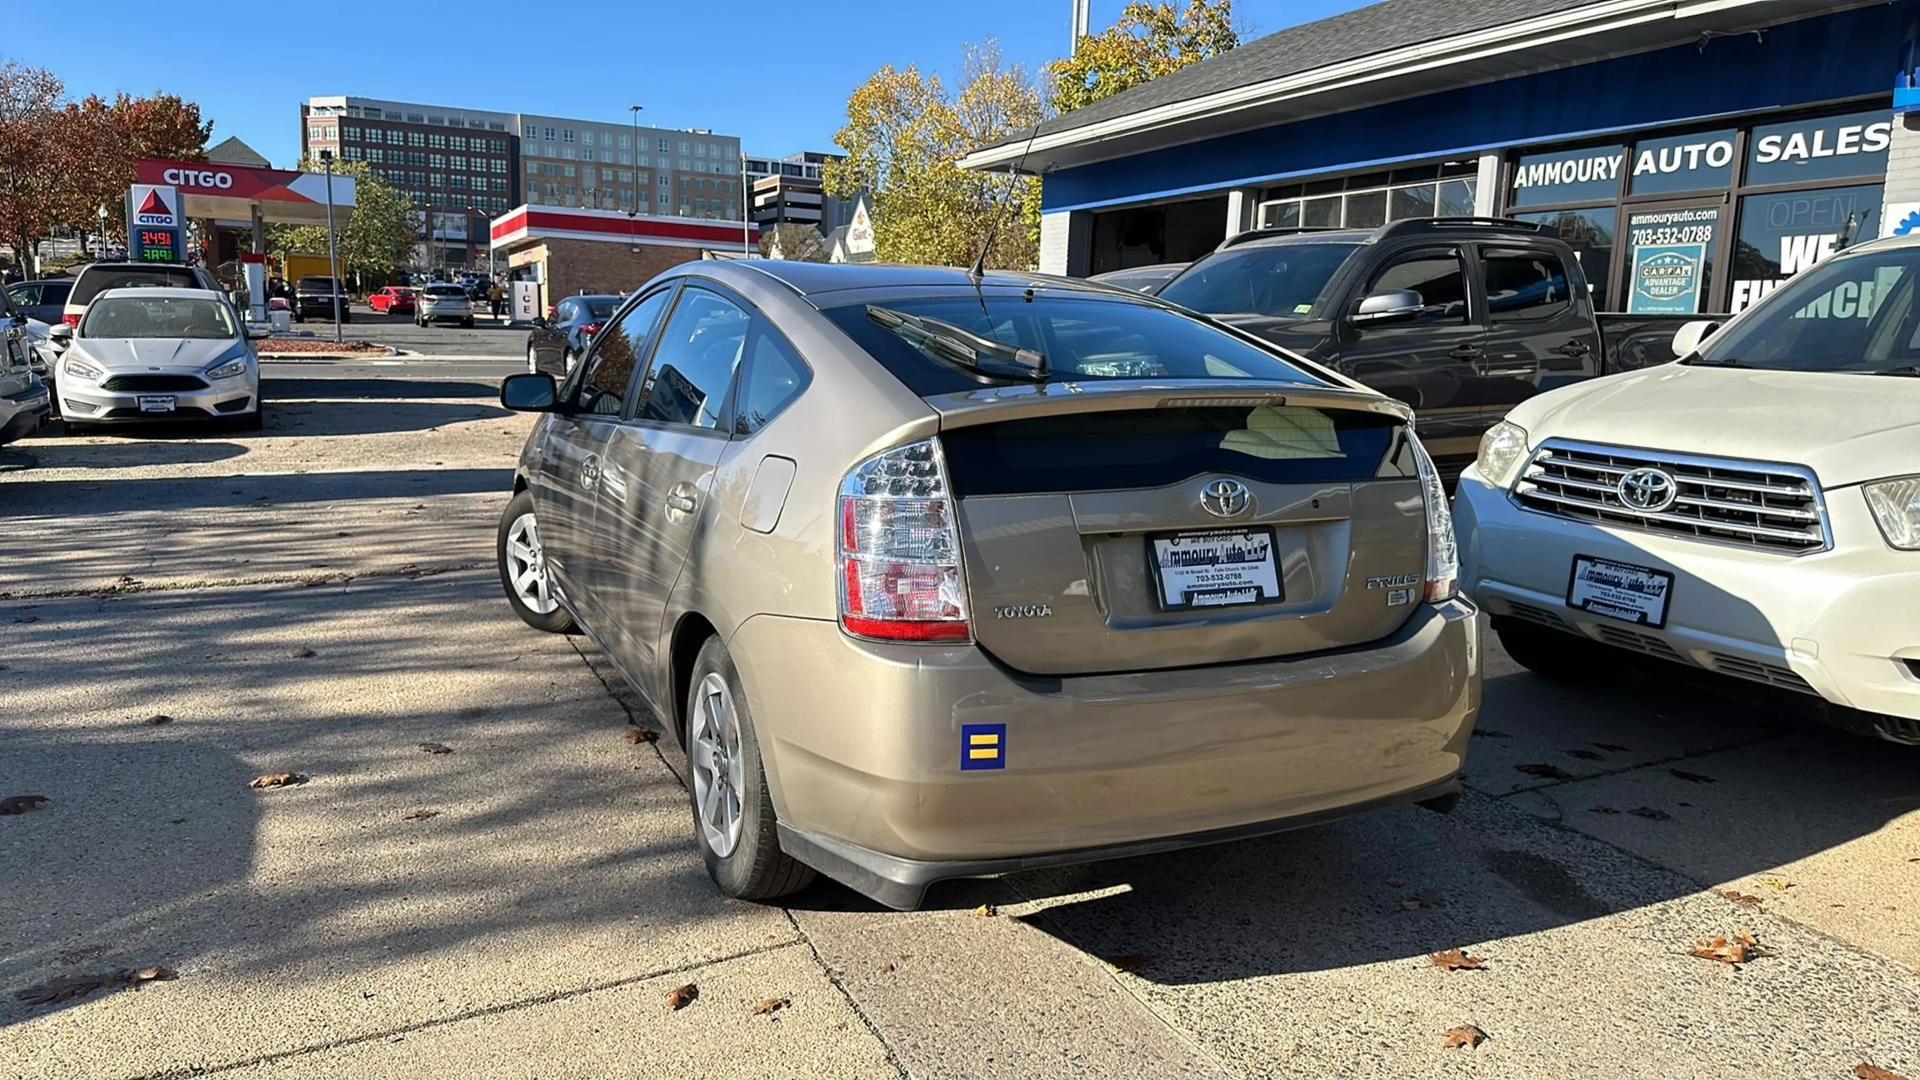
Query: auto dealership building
pixel 1694 152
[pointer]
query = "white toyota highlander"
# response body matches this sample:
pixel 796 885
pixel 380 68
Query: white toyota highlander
pixel 1752 509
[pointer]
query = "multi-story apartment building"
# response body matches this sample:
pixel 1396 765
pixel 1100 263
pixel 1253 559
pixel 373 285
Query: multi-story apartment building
pixel 461 166
pixel 458 165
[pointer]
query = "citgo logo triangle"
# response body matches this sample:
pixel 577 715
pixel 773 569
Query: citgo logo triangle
pixel 155 205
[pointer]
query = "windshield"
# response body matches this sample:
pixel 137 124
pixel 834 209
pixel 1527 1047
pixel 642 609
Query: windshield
pixel 158 317
pixel 95 281
pixel 1856 313
pixel 1285 280
pixel 1079 338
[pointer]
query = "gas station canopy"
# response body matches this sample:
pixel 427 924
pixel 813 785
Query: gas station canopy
pixel 234 192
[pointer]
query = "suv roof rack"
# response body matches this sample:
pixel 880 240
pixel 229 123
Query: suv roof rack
pixel 1278 230
pixel 1438 224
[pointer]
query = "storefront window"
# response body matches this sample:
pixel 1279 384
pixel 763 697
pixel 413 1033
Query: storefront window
pixel 1568 176
pixel 1697 162
pixel 1590 234
pixel 1670 255
pixel 1829 148
pixel 1366 210
pixel 1321 212
pixel 1456 198
pixel 1411 202
pixel 1781 235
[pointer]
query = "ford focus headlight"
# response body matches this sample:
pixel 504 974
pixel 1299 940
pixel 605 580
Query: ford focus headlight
pixel 1502 449
pixel 1896 509
pixel 229 369
pixel 80 369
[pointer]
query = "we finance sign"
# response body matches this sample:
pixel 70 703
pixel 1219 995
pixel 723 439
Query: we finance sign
pixel 155 206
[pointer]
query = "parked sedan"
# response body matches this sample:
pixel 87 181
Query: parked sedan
pixel 442 302
pixel 392 300
pixel 940 578
pixel 556 344
pixel 159 354
pixel 1146 279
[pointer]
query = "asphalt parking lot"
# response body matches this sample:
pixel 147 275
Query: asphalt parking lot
pixel 319 598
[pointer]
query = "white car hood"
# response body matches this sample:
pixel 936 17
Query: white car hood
pixel 1847 428
pixel 141 354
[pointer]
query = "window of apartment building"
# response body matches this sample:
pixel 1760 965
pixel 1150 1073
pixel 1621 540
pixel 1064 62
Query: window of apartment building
pixel 496 125
pixel 415 118
pixel 547 168
pixel 547 134
pixel 566 135
pixel 684 146
pixel 626 157
pixel 499 165
pixel 606 174
pixel 572 192
pixel 316 131
pixel 376 155
pixel 436 119
pixel 437 141
pixel 416 138
pixel 396 138
pixel 457 161
pixel 416 157
pixel 349 131
pixel 665 180
pixel 626 142
pixel 626 176
pixel 699 149
pixel 663 146
pixel 457 142
pixel 499 185
pixel 567 152
pixel 458 181
pixel 566 171
pixel 586 153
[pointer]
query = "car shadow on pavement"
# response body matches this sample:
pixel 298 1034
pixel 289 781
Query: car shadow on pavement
pixel 335 418
pixel 397 388
pixel 118 455
pixel 28 496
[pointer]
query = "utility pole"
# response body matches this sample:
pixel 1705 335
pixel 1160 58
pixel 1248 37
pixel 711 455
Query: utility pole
pixel 746 206
pixel 1082 17
pixel 333 248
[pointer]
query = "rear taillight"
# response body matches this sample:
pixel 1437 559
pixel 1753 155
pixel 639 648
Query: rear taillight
pixel 1443 553
pixel 590 329
pixel 899 566
pixel 71 320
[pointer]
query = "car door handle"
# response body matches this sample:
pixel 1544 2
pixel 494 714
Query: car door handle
pixel 1464 352
pixel 589 471
pixel 1574 348
pixel 683 498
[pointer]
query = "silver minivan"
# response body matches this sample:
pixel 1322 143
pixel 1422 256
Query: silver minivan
pixel 938 576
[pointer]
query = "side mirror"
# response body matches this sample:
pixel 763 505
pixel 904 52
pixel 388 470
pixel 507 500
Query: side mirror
pixel 259 331
pixel 60 336
pixel 1687 339
pixel 1391 305
pixel 538 323
pixel 529 392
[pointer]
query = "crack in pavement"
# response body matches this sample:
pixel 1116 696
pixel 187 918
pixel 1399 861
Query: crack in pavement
pixel 1624 769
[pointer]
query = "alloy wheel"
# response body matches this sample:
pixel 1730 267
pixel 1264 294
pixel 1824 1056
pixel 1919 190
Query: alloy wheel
pixel 527 566
pixel 718 771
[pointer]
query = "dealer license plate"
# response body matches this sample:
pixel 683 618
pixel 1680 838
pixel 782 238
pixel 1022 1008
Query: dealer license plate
pixel 1617 590
pixel 1218 568
pixel 156 404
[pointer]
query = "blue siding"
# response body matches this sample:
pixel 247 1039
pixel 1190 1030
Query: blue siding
pixel 1829 58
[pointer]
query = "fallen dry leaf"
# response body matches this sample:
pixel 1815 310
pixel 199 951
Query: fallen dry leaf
pixel 1739 897
pixel 682 997
pixel 1128 961
pixel 157 719
pixel 1465 1035
pixel 303 654
pixel 1865 1071
pixel 886 969
pixel 636 736
pixel 278 779
pixel 1776 883
pixel 1650 813
pixel 421 815
pixel 436 748
pixel 20 804
pixel 1693 777
pixel 1545 771
pixel 1411 904
pixel 1456 960
pixel 771 1005
pixel 63 990
pixel 986 911
pixel 1740 949
pixel 1394 883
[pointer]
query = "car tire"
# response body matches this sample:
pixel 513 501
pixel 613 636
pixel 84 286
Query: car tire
pixel 739 814
pixel 517 546
pixel 1550 654
pixel 255 420
pixel 467 323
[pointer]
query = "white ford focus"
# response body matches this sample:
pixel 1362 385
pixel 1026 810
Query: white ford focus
pixel 1752 509
pixel 146 354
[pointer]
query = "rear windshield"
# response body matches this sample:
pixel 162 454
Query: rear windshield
pixel 1284 280
pixel 92 283
pixel 600 307
pixel 444 290
pixel 1081 338
pixel 316 284
pixel 131 315
pixel 1140 448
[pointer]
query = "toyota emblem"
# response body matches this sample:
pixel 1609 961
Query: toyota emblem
pixel 1647 490
pixel 1225 498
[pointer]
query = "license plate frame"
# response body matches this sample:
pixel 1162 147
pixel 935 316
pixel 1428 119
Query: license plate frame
pixel 157 403
pixel 1621 602
pixel 1270 590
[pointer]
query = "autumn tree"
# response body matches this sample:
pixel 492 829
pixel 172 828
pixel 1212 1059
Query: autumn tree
pixel 1150 40
pixel 376 236
pixel 904 136
pixel 794 242
pixel 32 158
pixel 107 140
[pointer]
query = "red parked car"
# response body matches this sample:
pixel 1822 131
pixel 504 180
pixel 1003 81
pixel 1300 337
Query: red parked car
pixel 392 300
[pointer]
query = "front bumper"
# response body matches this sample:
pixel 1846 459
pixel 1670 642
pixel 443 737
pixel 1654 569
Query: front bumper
pixel 863 748
pixel 1834 624
pixel 86 402
pixel 23 413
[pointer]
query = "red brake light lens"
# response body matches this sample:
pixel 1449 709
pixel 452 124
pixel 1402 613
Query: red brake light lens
pixel 591 329
pixel 899 547
pixel 71 320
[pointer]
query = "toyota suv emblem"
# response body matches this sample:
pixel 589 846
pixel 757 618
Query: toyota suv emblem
pixel 1647 490
pixel 1225 498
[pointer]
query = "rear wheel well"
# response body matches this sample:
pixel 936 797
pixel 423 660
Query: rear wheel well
pixel 691 633
pixel 519 483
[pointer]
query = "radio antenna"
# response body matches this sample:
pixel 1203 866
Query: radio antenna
pixel 979 268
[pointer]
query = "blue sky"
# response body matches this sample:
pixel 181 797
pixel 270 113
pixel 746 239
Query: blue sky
pixel 251 65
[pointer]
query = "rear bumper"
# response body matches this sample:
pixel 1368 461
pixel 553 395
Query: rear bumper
pixel 863 746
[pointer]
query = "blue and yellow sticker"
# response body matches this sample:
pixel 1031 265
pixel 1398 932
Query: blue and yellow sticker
pixel 983 746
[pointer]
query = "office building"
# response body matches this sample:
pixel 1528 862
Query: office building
pixel 788 191
pixel 595 165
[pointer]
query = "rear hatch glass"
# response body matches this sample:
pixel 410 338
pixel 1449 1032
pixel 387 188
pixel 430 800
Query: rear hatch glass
pixel 93 282
pixel 322 285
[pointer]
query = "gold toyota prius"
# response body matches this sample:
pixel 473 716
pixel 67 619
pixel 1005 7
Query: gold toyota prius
pixel 937 575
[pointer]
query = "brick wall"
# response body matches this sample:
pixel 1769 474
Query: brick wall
pixel 597 266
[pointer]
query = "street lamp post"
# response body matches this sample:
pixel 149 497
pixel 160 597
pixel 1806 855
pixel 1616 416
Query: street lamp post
pixel 746 208
pixel 333 248
pixel 633 208
pixel 102 213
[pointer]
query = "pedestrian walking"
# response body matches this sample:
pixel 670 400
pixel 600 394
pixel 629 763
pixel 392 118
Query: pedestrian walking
pixel 498 296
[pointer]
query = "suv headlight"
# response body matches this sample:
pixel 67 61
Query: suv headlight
pixel 80 369
pixel 229 369
pixel 1896 509
pixel 1502 449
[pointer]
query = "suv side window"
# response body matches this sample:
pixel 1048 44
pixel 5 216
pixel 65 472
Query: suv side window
pixel 617 353
pixel 775 376
pixel 1523 285
pixel 694 364
pixel 1440 277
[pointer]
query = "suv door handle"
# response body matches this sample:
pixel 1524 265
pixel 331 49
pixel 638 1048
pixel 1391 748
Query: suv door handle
pixel 683 498
pixel 1574 348
pixel 1465 352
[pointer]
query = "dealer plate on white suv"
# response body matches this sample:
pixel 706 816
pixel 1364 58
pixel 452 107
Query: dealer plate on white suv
pixel 1617 590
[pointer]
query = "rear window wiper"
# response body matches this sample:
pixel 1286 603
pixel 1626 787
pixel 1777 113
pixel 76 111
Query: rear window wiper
pixel 961 347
